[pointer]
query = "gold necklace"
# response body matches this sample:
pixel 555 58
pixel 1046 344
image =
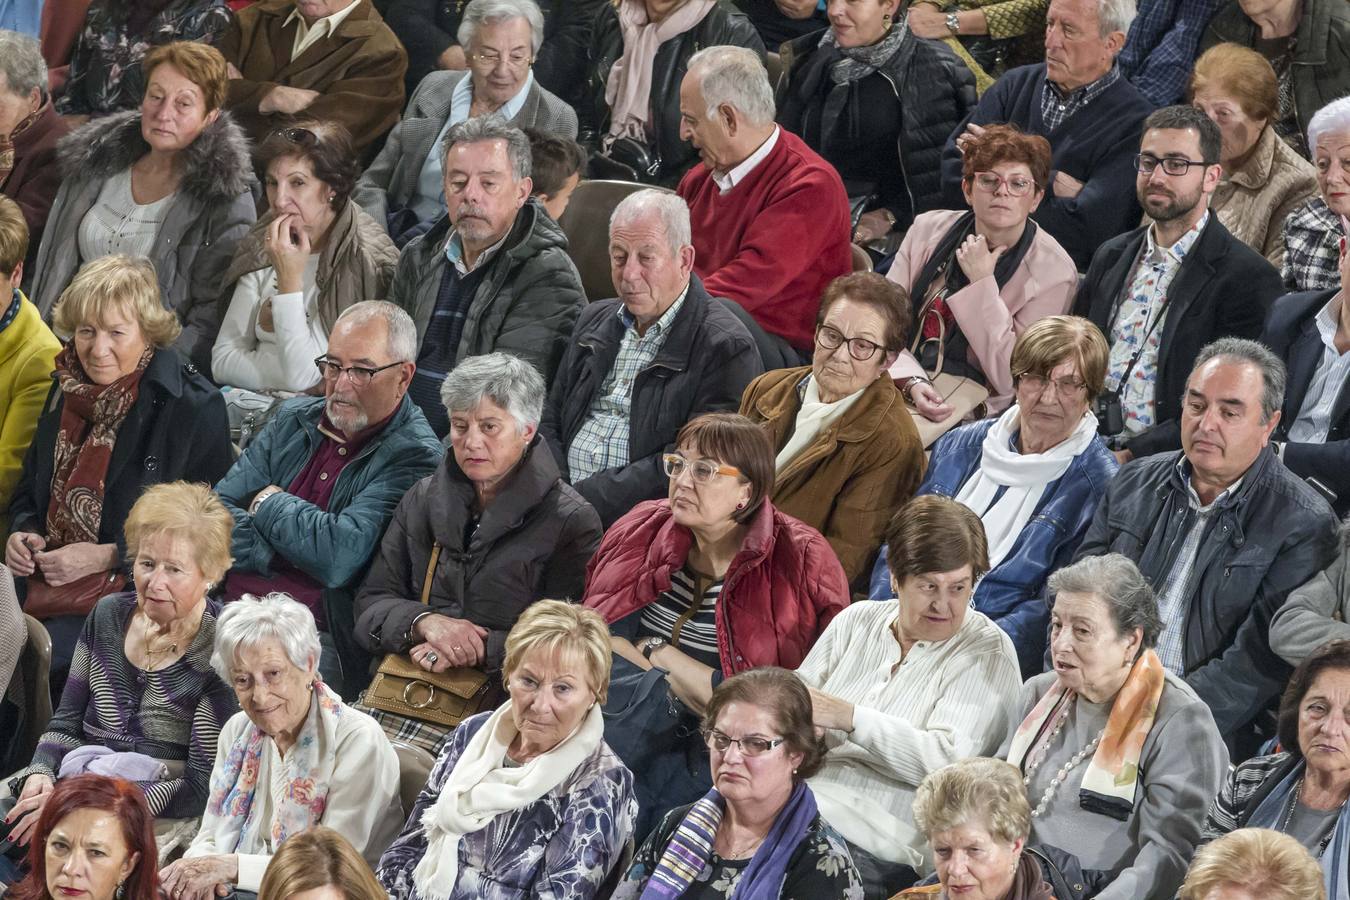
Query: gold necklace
pixel 150 652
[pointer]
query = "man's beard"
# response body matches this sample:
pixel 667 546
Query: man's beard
pixel 1173 208
pixel 349 422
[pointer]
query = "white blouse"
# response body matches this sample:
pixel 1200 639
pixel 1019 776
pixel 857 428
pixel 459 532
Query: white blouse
pixel 118 224
pixel 248 356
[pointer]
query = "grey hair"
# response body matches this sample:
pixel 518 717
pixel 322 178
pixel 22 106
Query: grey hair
pixel 506 380
pixel 250 620
pixel 22 64
pixel 667 206
pixel 1117 581
pixel 1333 118
pixel 483 12
pixel 402 340
pixel 736 77
pixel 1274 376
pixel 492 128
pixel 1114 15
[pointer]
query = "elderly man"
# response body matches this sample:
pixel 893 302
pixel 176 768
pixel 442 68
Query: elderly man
pixel 770 218
pixel 402 187
pixel 640 366
pixel 313 493
pixel 492 274
pixel 1092 117
pixel 329 59
pixel 1163 291
pixel 1224 532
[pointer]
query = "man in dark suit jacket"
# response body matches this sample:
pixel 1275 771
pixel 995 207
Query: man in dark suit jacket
pixel 1163 291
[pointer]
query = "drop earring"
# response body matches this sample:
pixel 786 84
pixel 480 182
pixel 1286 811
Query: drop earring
pixel 121 892
pixel 886 21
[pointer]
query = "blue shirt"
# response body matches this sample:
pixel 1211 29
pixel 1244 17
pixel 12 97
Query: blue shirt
pixel 24 16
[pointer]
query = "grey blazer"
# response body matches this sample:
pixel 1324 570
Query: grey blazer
pixel 391 180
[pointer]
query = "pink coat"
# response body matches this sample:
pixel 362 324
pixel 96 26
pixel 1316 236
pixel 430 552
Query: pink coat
pixel 1043 285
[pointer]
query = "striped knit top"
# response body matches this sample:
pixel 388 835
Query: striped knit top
pixel 173 714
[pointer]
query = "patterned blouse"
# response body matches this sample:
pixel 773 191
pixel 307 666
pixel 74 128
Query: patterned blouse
pixel 561 846
pixel 173 714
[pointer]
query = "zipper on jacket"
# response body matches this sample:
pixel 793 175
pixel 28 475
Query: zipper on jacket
pixel 899 153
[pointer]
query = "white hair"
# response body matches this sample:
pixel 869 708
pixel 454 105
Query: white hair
pixel 250 620
pixel 1334 118
pixel 1115 15
pixel 22 64
pixel 666 206
pixel 506 380
pixel 482 12
pixel 736 77
pixel 402 331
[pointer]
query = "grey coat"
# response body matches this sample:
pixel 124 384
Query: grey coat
pixel 391 180
pixel 206 218
pixel 1315 612
pixel 526 302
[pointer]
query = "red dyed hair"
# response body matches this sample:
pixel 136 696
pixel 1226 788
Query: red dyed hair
pixel 127 804
pixel 1007 143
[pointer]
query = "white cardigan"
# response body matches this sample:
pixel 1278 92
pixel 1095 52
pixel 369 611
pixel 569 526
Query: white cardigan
pixel 364 805
pixel 282 359
pixel 945 701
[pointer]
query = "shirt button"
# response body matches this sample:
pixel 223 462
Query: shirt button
pixel 323 476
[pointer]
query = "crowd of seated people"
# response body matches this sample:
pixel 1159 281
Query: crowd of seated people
pixel 942 498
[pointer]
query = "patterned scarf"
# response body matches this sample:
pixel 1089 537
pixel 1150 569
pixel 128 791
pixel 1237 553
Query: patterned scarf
pixel 1113 772
pixel 691 847
pixel 90 416
pixel 859 62
pixel 7 143
pixel 307 771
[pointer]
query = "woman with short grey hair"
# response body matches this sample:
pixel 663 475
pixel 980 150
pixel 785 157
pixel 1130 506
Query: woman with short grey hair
pixel 295 757
pixel 492 530
pixel 1120 757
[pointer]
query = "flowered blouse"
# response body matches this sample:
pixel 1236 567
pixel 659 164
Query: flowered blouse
pixel 105 69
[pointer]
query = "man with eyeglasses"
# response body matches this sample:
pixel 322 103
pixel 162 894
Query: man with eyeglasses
pixel 334 60
pixel 1161 292
pixel 403 188
pixel 312 495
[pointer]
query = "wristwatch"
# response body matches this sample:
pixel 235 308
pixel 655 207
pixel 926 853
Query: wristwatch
pixel 953 23
pixel 650 645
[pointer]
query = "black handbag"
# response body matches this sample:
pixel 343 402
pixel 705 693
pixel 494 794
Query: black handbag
pixel 644 161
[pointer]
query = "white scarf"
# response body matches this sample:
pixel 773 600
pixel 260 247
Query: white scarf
pixel 813 417
pixel 480 788
pixel 1025 476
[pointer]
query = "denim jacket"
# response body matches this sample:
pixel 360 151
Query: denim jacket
pixel 1011 593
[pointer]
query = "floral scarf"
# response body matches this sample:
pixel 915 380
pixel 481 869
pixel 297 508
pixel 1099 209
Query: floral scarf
pixel 307 771
pixel 1112 774
pixel 90 416
pixel 7 142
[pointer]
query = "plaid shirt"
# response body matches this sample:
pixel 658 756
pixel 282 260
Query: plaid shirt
pixel 1312 250
pixel 602 441
pixel 1058 107
pixel 1162 45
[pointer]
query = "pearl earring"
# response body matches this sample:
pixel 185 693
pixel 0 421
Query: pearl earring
pixel 886 21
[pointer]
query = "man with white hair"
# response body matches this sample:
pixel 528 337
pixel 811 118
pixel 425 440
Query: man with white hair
pixel 1091 115
pixel 314 492
pixel 769 216
pixel 640 366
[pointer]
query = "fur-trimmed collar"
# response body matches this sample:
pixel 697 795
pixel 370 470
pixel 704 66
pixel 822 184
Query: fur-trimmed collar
pixel 218 163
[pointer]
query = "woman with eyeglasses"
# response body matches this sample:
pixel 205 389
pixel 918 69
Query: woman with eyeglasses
pixel 847 451
pixel 978 278
pixel 313 254
pixel 170 181
pixel 757 833
pixel 1034 475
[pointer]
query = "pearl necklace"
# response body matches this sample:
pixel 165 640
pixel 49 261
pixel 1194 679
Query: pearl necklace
pixel 1064 770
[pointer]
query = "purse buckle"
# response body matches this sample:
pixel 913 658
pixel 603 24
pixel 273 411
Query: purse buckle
pixel 407 691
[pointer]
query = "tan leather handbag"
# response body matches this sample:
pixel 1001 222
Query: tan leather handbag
pixel 964 395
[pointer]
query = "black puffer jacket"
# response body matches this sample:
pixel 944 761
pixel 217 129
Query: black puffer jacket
pixel 932 87
pixel 724 25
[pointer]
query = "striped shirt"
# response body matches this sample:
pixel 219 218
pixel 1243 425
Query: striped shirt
pixel 698 633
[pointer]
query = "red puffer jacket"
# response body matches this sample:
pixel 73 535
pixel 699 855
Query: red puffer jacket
pixel 779 593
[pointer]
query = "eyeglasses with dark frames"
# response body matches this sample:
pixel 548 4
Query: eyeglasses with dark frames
pixel 359 376
pixel 749 746
pixel 1145 163
pixel 861 349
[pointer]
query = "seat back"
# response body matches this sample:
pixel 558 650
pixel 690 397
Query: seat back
pixel 862 260
pixel 29 688
pixel 773 63
pixel 414 767
pixel 586 224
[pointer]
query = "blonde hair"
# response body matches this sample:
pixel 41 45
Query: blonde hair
pixel 110 283
pixel 318 858
pixel 192 512
pixel 1262 862
pixel 1050 341
pixel 199 63
pixel 563 628
pixel 976 791
pixel 13 238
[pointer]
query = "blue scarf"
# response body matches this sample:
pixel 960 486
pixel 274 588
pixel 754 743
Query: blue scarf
pixel 1271 813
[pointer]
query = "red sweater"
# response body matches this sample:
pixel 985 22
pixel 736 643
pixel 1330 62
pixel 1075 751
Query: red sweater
pixel 774 241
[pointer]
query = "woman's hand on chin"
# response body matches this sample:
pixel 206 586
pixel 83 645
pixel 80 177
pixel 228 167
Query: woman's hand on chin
pixel 200 877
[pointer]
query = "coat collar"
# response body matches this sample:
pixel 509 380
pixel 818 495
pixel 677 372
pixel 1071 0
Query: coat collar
pixel 524 490
pixel 780 401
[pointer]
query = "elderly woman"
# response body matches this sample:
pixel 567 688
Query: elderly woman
pixel 847 450
pixel 977 279
pixel 95 840
pixel 1117 753
pixel 1302 790
pixel 313 255
pixel 905 686
pixel 1251 863
pixel 295 756
pixel 319 863
pixel 529 800
pixel 115 421
pixel 500 41
pixel 472 545
pixel 878 103
pixel 1033 475
pixel 1313 232
pixel 29 131
pixel 639 54
pixel 171 182
pixel 142 700
pixel 1264 179
pixel 757 833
